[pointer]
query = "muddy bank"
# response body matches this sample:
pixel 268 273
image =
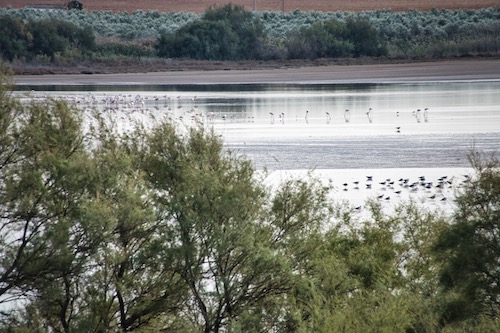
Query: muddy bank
pixel 470 69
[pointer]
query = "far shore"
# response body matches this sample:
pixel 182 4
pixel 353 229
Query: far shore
pixel 446 70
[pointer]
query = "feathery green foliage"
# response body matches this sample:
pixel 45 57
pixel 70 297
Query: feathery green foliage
pixel 161 230
pixel 469 249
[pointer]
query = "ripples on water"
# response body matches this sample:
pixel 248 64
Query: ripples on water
pixel 383 151
pixel 293 128
pixel 307 126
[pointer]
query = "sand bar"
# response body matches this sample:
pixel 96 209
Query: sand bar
pixel 450 70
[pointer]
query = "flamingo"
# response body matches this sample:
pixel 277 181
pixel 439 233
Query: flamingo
pixel 417 115
pixel 347 115
pixel 369 114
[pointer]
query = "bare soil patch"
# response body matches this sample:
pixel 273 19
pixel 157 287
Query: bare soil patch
pixel 460 69
pixel 198 6
pixel 113 66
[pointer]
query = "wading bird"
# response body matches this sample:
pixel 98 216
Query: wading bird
pixel 347 115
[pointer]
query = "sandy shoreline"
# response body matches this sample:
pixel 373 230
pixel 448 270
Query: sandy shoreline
pixel 449 70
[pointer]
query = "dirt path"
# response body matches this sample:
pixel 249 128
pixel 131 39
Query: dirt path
pixel 474 69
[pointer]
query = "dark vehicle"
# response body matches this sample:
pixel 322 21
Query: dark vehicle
pixel 74 4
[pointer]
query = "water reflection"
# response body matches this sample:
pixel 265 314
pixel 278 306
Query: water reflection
pixel 384 100
pixel 317 126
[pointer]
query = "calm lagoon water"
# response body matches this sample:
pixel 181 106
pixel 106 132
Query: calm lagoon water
pixel 421 125
pixel 391 131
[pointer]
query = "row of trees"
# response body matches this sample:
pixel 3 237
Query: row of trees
pixel 51 37
pixel 433 34
pixel 157 229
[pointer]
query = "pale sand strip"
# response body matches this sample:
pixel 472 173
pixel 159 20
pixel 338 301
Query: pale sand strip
pixel 451 70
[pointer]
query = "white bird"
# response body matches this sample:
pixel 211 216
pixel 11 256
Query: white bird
pixel 369 114
pixel 347 115
pixel 417 115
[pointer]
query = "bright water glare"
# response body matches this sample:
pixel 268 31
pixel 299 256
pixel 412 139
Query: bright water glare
pixel 356 126
pixel 389 142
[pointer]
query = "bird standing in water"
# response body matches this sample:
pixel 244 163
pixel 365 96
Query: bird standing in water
pixel 369 114
pixel 347 115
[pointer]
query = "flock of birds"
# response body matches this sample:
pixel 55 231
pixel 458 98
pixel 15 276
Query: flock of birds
pixel 129 107
pixel 418 114
pixel 185 108
pixel 438 191
pixel 119 102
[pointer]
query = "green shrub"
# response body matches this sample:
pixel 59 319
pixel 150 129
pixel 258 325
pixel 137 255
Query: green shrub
pixel 14 38
pixel 265 35
pixel 116 47
pixel 226 33
pixel 334 39
pixel 243 24
pixel 54 36
pixel 365 38
pixel 46 40
pixel 210 40
pixel 47 37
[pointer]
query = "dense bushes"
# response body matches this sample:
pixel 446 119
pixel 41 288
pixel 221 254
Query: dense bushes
pixel 48 37
pixel 230 33
pixel 112 48
pixel 333 38
pixel 13 38
pixel 297 34
pixel 211 40
pixel 226 33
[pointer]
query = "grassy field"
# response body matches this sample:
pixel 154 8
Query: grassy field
pixel 262 5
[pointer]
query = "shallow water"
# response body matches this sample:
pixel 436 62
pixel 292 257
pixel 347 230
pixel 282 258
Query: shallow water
pixel 410 125
pixel 433 188
pixel 392 132
pixel 377 151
